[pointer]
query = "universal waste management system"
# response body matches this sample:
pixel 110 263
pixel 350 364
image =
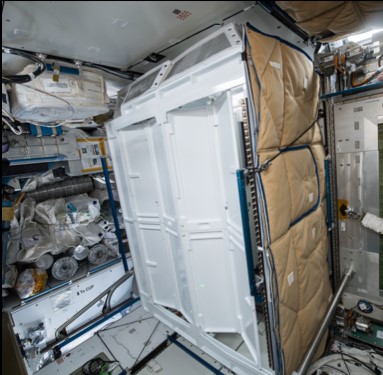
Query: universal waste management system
pixel 221 172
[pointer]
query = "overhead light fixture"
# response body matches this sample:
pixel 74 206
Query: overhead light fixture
pixel 359 37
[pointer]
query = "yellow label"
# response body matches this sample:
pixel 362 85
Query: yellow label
pixel 91 150
pixel 7 213
pixel 56 73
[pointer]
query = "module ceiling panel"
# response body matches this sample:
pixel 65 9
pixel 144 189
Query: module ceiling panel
pixel 112 33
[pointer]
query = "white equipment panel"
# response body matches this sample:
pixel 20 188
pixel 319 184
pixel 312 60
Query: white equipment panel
pixel 55 308
pixel 175 152
pixel 357 164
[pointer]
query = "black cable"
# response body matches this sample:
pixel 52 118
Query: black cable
pixel 190 36
pixel 268 161
pixel 348 370
pixel 93 367
pixel 175 44
pixel 240 11
pixel 126 324
pixel 361 346
pixel 359 361
pixel 278 323
pixel 128 75
pixel 146 344
pixel 355 364
pixel 23 78
pixel 106 346
pixel 42 67
pixel 198 32
pixel 335 368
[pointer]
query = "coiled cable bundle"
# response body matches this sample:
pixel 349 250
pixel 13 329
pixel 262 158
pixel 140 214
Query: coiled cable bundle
pixel 24 78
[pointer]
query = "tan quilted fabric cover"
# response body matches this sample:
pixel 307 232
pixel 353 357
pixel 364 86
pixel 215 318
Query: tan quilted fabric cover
pixel 287 105
pixel 339 17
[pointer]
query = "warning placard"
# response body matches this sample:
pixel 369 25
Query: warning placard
pixel 91 151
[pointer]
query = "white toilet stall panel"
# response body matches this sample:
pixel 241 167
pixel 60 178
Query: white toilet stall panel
pixel 176 150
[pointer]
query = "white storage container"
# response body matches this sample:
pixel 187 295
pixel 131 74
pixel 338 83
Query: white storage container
pixel 75 97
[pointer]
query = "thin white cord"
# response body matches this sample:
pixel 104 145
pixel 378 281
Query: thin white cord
pixel 86 138
pixel 6 113
pixel 19 130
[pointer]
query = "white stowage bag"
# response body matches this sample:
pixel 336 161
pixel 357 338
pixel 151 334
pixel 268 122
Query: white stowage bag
pixel 24 234
pixel 38 240
pixel 91 234
pixel 54 226
pixel 23 217
pixel 42 230
pixel 75 97
pixel 50 212
pixel 75 210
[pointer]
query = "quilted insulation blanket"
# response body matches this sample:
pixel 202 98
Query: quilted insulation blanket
pixel 289 146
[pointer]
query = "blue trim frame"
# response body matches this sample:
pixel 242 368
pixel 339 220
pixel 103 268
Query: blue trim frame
pixel 94 325
pixel 39 160
pixel 249 25
pixel 46 131
pixel 280 353
pixel 328 193
pixel 314 208
pixel 50 290
pixel 107 265
pixel 64 69
pixel 195 356
pixel 66 283
pixel 4 249
pixel 372 86
pixel 114 213
pixel 246 230
pixel 293 148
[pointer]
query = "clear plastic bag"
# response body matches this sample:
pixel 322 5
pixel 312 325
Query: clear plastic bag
pixel 35 339
pixel 84 209
pixel 30 282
